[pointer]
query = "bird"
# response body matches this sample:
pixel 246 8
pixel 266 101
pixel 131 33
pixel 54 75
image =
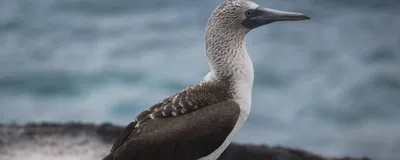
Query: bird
pixel 200 121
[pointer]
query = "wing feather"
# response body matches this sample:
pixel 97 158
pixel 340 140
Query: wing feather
pixel 188 100
pixel 128 131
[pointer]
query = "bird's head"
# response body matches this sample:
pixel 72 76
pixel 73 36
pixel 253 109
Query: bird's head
pixel 247 15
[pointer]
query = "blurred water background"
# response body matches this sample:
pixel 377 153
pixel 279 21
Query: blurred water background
pixel 330 85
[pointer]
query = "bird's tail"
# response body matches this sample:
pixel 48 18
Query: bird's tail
pixel 108 157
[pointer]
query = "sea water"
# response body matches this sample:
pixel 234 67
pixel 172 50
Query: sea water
pixel 330 85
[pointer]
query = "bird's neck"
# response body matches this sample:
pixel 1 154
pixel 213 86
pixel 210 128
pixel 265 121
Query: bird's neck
pixel 228 58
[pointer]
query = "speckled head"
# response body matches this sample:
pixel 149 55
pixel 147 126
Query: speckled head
pixel 239 14
pixel 226 31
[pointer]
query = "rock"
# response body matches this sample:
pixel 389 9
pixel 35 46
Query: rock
pixel 106 133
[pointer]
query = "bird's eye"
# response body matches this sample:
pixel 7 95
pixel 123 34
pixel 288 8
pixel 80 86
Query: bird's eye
pixel 248 13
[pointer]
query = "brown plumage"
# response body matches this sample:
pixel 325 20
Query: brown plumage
pixel 194 97
pixel 170 139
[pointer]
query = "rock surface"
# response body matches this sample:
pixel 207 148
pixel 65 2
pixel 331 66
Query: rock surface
pixel 89 141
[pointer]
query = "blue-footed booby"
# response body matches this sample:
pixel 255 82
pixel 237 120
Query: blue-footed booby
pixel 200 122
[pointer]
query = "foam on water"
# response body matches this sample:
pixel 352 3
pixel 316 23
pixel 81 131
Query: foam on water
pixel 56 148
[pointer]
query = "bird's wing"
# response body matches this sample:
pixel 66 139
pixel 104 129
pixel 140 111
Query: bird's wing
pixel 186 137
pixel 166 117
pixel 128 131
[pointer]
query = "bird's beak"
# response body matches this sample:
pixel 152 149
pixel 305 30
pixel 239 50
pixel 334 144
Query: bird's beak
pixel 272 15
pixel 262 16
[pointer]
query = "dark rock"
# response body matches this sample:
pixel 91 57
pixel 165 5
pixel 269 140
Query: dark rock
pixel 108 133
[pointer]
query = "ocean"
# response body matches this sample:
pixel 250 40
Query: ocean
pixel 330 85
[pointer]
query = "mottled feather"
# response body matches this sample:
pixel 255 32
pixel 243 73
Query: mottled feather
pixel 194 97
